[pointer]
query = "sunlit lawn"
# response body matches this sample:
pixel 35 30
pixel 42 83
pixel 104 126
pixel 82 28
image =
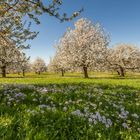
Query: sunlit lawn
pixel 51 107
pixel 132 80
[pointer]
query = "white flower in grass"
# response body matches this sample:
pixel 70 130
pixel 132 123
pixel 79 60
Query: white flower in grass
pixel 32 94
pixel 103 119
pixel 106 114
pixel 107 126
pixel 93 116
pixel 49 108
pixel 53 108
pixel 127 112
pixel 34 112
pixel 8 103
pixel 123 114
pixel 5 92
pixel 98 116
pixel 77 112
pixel 95 90
pixel 11 99
pixel 86 109
pixel 49 98
pixel 135 116
pixel 109 122
pixel 125 125
pixel 34 99
pixel 94 120
pixel 70 101
pixel 90 120
pixel 122 109
pixel 66 102
pixel 65 109
pixel 87 114
pixel 78 101
pixel 93 105
pixel 42 106
pixel 28 110
pixel 100 103
pixel 114 105
pixel 19 95
pixel 42 111
pixel 44 90
pixel 17 101
pixel 41 98
pixel 106 107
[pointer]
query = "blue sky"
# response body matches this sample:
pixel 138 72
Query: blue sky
pixel 120 18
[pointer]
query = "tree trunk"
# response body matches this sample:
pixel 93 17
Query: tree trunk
pixel 122 74
pixel 62 72
pixel 118 72
pixel 39 72
pixel 3 69
pixel 85 72
pixel 23 73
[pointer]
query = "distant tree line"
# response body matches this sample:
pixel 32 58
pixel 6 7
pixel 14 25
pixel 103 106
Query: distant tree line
pixel 20 64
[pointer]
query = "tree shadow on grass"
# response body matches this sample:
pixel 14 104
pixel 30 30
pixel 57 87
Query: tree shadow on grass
pixel 123 78
pixel 89 84
pixel 101 77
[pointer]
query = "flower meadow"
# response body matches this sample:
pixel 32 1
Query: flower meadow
pixel 69 112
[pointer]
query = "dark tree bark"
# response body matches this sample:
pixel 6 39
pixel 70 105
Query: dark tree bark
pixel 3 69
pixel 23 73
pixel 118 72
pixel 39 72
pixel 62 72
pixel 122 73
pixel 85 72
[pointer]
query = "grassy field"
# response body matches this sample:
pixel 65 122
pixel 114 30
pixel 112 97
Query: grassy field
pixel 51 107
pixel 131 80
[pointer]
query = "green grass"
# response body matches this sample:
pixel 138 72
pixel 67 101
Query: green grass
pixel 132 80
pixel 51 107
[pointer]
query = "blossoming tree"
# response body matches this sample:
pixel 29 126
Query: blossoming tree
pixel 34 8
pixel 23 64
pixel 59 63
pixel 8 55
pixel 124 57
pixel 39 65
pixel 85 46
